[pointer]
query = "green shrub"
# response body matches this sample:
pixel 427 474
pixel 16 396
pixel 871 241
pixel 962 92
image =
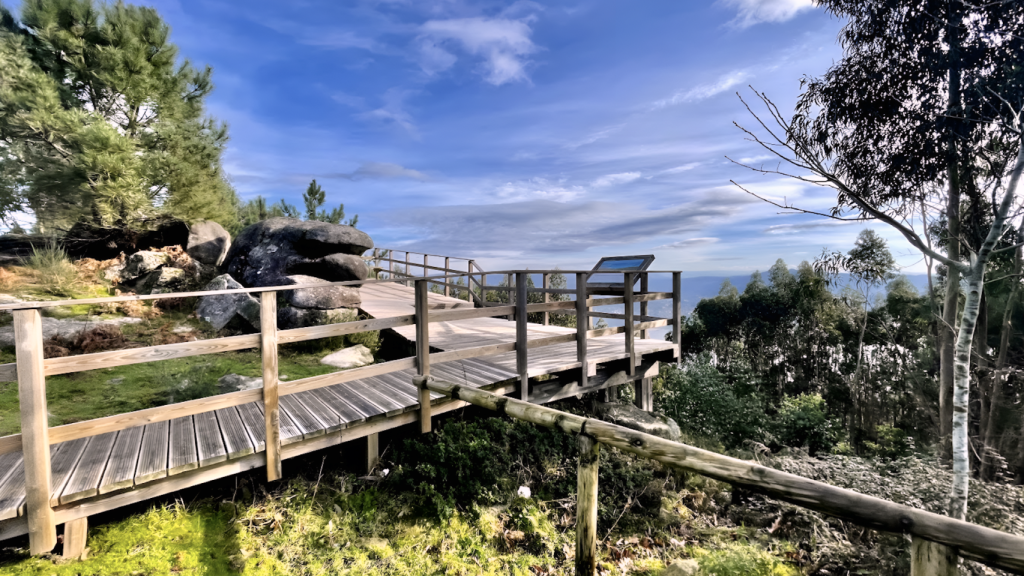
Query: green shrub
pixel 369 339
pixel 706 404
pixel 892 443
pixel 803 421
pixel 53 269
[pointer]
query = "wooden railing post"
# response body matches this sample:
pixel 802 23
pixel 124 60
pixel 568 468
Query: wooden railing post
pixel 408 270
pixel 522 361
pixel 447 281
pixel 35 438
pixel 423 353
pixel 425 264
pixel 630 348
pixel 931 559
pixel 582 325
pixel 391 264
pixel 586 505
pixel 469 282
pixel 271 411
pixel 483 288
pixel 546 284
pixel 677 313
pixel 643 305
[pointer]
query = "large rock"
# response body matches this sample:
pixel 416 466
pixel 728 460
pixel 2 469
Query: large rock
pixel 142 263
pixel 208 242
pixel 351 357
pixel 632 417
pixel 236 382
pixel 288 318
pixel 265 253
pixel 163 281
pixel 319 298
pixel 221 309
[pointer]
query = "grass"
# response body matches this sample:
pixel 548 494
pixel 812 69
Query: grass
pixel 53 269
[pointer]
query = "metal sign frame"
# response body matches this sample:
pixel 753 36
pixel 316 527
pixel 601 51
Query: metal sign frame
pixel 645 262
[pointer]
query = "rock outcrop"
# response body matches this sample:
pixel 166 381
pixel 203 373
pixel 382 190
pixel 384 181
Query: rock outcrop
pixel 220 310
pixel 351 357
pixel 634 418
pixel 267 252
pixel 208 243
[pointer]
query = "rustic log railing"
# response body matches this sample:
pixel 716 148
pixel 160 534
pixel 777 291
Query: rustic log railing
pixel 31 369
pixel 937 540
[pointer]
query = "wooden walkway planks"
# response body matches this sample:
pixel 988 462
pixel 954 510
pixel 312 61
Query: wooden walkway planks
pixel 119 460
pixel 183 455
pixel 120 469
pixel 153 454
pixel 85 480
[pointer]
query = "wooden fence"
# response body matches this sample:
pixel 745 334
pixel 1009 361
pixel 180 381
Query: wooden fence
pixel 31 368
pixel 936 539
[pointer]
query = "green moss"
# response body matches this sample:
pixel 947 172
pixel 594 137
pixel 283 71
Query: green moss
pixel 197 541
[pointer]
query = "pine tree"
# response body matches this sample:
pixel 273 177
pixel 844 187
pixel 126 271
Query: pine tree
pixel 95 113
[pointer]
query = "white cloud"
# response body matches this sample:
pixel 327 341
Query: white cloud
pixel 348 100
pixel 538 189
pixel 750 12
pixel 683 168
pixel 704 91
pixel 688 243
pixel 503 43
pixel 615 179
pixel 599 135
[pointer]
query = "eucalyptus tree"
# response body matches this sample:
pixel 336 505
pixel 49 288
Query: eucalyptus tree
pixel 927 92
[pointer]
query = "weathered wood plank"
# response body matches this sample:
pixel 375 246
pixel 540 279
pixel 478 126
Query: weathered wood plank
pixel 363 405
pixel 330 330
pixel 114 358
pixel 150 415
pixel 468 313
pixel 236 441
pixel 328 419
pixel 75 533
pixel 334 378
pixel 85 480
pixel 209 442
pixel 345 411
pixel 586 506
pixel 252 418
pixel 382 401
pixel 475 352
pixel 28 342
pixel 63 464
pixel 153 455
pixel 307 422
pixel 12 490
pixel 289 430
pixel 183 454
pixel 124 456
pixel 931 559
pixel 271 408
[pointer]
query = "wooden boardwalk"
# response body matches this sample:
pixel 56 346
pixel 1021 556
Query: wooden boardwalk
pixel 108 470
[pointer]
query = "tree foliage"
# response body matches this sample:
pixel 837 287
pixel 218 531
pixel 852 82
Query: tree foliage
pixel 100 119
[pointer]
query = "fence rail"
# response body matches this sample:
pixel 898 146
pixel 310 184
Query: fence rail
pixel 31 368
pixel 991 547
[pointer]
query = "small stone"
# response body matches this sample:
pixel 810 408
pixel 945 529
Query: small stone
pixel 163 281
pixel 115 381
pixel 632 417
pixel 219 310
pixel 351 357
pixel 182 329
pixel 687 567
pixel 236 382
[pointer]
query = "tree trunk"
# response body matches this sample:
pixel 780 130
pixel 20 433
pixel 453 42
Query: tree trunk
pixel 961 393
pixel 999 373
pixel 949 310
pixel 856 415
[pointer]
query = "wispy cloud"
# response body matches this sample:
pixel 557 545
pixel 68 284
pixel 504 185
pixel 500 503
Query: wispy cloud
pixel 538 189
pixel 750 12
pixel 594 137
pixel 804 226
pixel 615 179
pixel 393 111
pixel 381 170
pixel 688 243
pixel 349 100
pixel 683 168
pixel 504 44
pixel 704 91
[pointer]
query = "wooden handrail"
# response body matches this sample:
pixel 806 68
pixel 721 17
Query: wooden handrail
pixel 31 369
pixel 990 547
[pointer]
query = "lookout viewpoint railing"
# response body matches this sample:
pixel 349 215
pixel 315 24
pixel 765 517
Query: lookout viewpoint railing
pixel 41 508
pixel 937 539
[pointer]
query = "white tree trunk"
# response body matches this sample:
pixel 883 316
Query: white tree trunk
pixel 961 393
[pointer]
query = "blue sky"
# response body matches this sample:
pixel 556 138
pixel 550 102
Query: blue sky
pixel 522 133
